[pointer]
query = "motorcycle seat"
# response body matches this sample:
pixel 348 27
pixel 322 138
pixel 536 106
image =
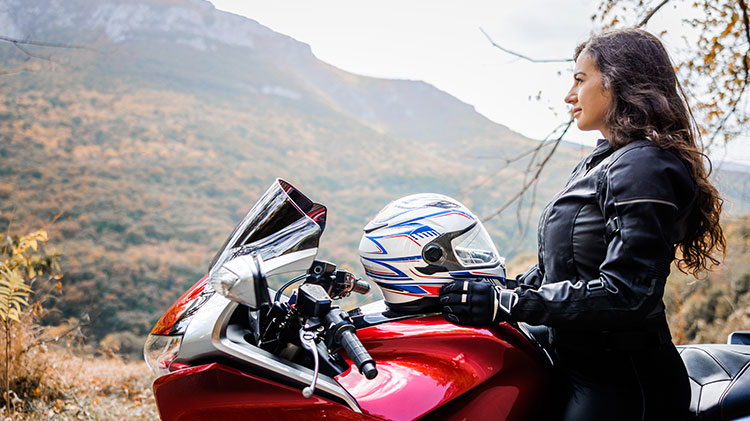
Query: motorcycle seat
pixel 719 380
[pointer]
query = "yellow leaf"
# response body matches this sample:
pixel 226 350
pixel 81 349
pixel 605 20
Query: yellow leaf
pixel 59 286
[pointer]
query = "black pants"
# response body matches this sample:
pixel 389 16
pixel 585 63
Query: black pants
pixel 647 384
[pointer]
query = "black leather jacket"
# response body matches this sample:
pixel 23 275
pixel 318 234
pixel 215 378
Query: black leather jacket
pixel 607 239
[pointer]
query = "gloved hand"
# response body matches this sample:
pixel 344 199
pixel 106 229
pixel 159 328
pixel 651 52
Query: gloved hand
pixel 476 302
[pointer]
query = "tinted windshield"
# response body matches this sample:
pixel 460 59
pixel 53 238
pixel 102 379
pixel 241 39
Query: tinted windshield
pixel 282 221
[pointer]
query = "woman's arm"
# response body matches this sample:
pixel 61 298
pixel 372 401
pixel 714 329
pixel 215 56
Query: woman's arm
pixel 532 278
pixel 642 194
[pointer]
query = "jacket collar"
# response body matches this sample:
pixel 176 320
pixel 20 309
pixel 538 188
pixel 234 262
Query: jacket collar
pixel 603 149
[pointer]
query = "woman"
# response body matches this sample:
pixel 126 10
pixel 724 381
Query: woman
pixel 607 240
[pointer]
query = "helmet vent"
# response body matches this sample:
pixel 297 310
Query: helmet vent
pixel 432 253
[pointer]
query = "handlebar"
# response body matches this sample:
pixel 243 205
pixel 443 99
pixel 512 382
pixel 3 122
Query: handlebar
pixel 358 354
pixel 344 333
pixel 337 283
pixel 361 287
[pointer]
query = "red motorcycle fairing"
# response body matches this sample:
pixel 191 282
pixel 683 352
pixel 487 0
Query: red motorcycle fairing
pixel 218 392
pixel 429 367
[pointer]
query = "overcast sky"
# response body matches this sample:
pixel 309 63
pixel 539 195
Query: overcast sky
pixel 439 41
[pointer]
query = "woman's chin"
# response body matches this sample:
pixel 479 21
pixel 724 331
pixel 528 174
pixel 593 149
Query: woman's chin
pixel 582 126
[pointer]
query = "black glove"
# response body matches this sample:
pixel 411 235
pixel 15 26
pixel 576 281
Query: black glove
pixel 476 302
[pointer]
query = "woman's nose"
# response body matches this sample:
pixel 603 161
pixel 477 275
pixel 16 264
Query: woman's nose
pixel 570 98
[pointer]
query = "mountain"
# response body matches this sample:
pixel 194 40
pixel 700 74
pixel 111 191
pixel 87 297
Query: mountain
pixel 153 140
pixel 244 57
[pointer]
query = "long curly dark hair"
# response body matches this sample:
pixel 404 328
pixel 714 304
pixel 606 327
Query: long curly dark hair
pixel 649 103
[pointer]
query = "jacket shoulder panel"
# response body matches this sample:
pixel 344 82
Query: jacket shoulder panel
pixel 644 173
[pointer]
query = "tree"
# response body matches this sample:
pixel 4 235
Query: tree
pixel 713 65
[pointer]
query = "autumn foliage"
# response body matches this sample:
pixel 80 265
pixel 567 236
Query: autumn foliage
pixel 713 56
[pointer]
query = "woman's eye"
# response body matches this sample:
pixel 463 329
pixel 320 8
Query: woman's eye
pixel 578 81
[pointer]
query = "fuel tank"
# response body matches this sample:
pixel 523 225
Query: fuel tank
pixel 428 367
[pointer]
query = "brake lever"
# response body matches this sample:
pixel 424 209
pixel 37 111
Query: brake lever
pixel 307 339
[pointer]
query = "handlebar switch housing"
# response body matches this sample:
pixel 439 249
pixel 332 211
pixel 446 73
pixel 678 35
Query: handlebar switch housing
pixel 313 301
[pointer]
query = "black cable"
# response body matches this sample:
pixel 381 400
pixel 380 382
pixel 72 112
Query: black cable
pixel 286 285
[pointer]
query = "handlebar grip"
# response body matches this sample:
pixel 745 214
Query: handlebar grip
pixel 358 353
pixel 361 287
pixel 369 370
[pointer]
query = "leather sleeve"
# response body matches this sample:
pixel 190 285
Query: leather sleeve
pixel 641 195
pixel 532 278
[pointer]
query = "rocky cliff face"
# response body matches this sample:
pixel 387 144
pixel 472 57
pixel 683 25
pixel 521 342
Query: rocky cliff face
pixel 127 20
pixel 404 108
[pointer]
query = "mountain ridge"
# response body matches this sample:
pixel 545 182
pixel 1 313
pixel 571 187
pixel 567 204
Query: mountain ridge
pixel 197 24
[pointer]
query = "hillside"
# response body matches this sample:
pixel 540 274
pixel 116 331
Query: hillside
pixel 155 141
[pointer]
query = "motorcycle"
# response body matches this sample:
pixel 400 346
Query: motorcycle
pixel 232 348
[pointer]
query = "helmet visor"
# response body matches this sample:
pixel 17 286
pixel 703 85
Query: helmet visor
pixel 474 248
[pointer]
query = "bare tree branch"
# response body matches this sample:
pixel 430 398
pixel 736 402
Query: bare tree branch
pixel 523 56
pixel 56 338
pixel 18 43
pixel 534 179
pixel 525 186
pixel 41 57
pixel 535 150
pixel 729 114
pixel 15 71
pixel 745 22
pixel 521 227
pixel 44 43
pixel 650 14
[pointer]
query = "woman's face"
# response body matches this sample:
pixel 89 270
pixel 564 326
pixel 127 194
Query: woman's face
pixel 588 97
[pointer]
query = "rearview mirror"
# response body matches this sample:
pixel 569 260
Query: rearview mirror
pixel 243 280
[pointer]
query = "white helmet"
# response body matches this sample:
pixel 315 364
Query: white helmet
pixel 418 243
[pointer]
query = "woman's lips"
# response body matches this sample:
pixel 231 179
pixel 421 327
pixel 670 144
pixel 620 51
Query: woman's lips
pixel 576 111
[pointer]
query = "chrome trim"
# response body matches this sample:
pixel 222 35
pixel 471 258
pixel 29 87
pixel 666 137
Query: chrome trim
pixel 265 360
pixel 377 312
pixel 525 332
pixel 663 202
pixel 196 343
pixel 291 262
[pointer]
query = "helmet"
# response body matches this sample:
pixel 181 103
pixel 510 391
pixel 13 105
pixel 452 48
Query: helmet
pixel 418 243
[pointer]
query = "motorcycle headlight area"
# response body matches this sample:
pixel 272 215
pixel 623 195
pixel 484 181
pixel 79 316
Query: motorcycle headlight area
pixel 159 351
